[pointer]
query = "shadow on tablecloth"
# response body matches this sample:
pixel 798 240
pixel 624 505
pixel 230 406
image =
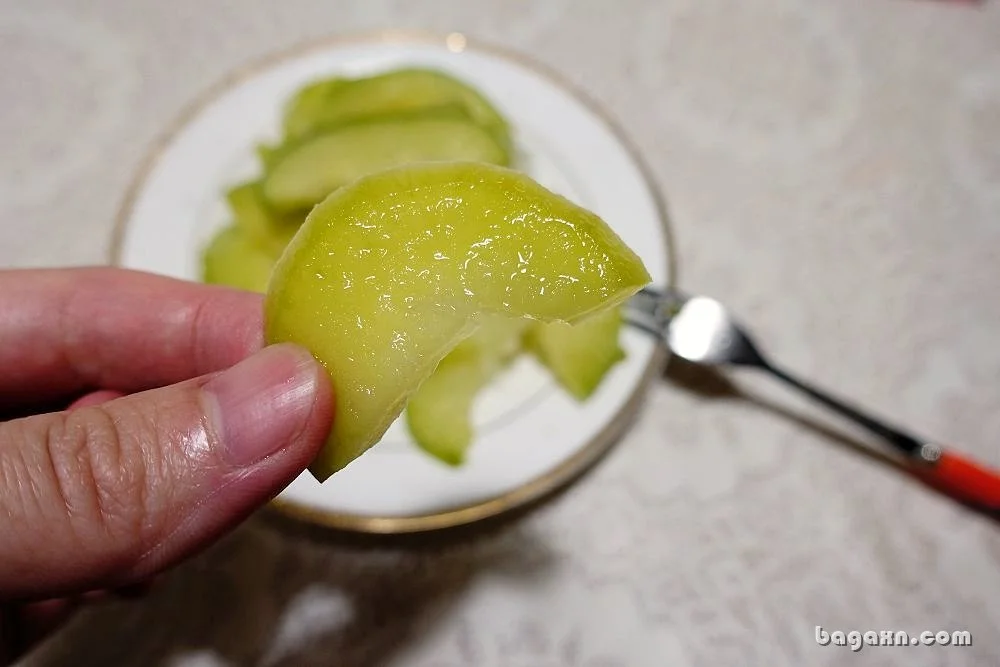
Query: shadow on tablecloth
pixel 275 593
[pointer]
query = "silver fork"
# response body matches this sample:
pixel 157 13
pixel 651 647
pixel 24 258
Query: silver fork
pixel 700 330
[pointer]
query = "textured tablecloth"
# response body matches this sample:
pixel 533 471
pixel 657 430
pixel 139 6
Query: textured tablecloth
pixel 833 172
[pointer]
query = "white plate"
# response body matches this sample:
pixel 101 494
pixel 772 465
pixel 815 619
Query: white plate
pixel 531 436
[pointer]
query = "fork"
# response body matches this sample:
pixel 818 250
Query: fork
pixel 701 331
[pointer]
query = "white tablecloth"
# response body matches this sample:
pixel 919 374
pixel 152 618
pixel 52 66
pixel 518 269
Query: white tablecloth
pixel 833 171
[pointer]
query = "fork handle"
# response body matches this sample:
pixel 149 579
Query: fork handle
pixel 955 475
pixel 962 478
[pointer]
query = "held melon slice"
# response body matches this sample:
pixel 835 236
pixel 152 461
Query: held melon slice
pixel 307 172
pixel 389 274
pixel 439 414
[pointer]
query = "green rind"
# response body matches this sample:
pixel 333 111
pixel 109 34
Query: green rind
pixel 431 211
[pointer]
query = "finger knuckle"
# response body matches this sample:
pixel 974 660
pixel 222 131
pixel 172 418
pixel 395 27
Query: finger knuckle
pixel 99 475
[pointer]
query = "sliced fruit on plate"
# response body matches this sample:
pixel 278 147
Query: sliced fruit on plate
pixel 234 260
pixel 409 89
pixel 581 354
pixel 307 172
pixel 260 225
pixel 390 273
pixel 304 111
pixel 266 153
pixel 439 414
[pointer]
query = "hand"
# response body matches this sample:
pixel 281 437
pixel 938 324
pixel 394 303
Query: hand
pixel 181 425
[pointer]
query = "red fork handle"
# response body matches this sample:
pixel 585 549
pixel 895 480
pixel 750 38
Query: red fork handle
pixel 963 479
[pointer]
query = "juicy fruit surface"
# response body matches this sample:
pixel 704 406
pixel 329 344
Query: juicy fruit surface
pixel 388 274
pixel 439 414
pixel 309 171
pixel 579 355
pixel 338 129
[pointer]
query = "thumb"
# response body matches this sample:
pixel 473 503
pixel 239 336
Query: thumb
pixel 109 494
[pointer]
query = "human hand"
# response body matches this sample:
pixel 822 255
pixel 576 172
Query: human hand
pixel 181 425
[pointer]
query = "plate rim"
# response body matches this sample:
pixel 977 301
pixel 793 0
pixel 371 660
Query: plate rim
pixel 569 469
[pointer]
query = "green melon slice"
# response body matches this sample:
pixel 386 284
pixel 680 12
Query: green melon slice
pixel 439 414
pixel 307 172
pixel 234 260
pixel 261 225
pixel 389 274
pixel 337 101
pixel 579 355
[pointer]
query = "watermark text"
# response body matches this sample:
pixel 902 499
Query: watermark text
pixel 856 640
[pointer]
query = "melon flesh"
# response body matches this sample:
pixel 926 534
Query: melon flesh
pixel 581 354
pixel 439 414
pixel 387 275
pixel 234 260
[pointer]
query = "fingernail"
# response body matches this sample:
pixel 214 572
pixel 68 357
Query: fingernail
pixel 261 403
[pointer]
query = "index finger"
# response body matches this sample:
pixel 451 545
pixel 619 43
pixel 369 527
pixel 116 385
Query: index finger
pixel 63 331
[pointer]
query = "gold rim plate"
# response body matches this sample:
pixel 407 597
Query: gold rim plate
pixel 570 468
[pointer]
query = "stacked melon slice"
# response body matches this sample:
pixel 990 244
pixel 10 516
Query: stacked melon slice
pixel 339 136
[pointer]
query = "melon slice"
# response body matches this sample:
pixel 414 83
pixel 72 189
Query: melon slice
pixel 389 274
pixel 579 355
pixel 305 173
pixel 234 260
pixel 335 101
pixel 439 414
